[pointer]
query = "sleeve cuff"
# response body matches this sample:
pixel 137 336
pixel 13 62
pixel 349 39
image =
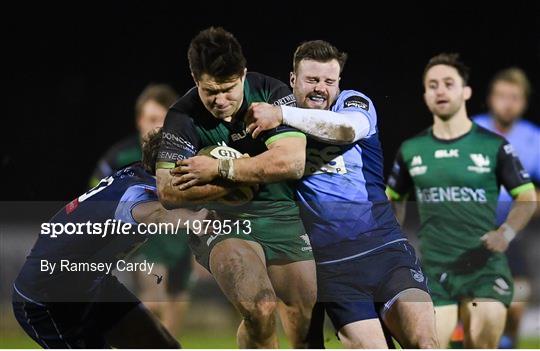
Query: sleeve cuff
pixel 516 191
pixel 284 135
pixel 392 194
pixel 165 165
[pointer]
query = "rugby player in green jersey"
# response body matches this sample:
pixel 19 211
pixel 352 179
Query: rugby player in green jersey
pixel 271 261
pixel 455 169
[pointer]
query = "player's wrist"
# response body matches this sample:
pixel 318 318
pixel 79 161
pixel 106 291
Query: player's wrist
pixel 226 169
pixel 288 114
pixel 280 114
pixel 507 232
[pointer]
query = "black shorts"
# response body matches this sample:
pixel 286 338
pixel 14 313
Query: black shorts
pixel 364 287
pixel 516 259
pixel 73 324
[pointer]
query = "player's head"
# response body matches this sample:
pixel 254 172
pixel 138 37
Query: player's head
pixel 150 148
pixel 446 87
pixel 152 106
pixel 508 94
pixel 218 67
pixel 317 66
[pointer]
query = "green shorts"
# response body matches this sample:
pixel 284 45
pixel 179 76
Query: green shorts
pixel 166 249
pixel 492 280
pixel 283 240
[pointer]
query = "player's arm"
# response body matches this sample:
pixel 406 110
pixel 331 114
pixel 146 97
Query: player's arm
pixel 355 118
pixel 345 127
pixel 398 187
pixel 516 180
pixel 154 212
pixel 284 160
pixel 175 195
pixel 180 142
pixel 140 204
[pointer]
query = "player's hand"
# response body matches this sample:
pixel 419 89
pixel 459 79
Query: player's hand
pixel 196 170
pixel 495 241
pixel 262 116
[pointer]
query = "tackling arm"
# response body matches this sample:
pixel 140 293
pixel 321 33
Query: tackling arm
pixel 171 196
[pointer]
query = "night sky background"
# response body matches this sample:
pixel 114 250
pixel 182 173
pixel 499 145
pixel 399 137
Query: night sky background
pixel 73 73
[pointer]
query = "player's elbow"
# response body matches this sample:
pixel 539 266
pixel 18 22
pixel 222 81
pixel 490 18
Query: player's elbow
pixel 347 134
pixel 288 168
pixel 295 167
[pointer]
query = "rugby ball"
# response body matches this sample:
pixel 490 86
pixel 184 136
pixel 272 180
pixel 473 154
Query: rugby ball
pixel 240 195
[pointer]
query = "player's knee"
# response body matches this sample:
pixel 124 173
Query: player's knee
pixel 265 304
pixel 427 342
pixel 262 308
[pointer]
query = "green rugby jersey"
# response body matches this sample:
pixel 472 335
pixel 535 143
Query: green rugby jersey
pixel 189 127
pixel 456 183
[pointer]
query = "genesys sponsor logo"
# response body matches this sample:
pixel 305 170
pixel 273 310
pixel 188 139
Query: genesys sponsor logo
pixel 171 156
pixel 451 194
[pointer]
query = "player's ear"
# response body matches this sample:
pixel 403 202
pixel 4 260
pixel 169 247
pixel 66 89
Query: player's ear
pixel 292 79
pixel 467 93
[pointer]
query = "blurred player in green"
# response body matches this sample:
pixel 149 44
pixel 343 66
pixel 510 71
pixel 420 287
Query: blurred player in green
pixel 455 169
pixel 172 255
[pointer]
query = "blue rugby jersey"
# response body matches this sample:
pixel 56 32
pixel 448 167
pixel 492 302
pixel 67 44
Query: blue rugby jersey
pixel 525 139
pixel 343 202
pixel 113 198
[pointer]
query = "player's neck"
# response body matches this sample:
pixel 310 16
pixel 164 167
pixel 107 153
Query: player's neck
pixel 503 128
pixel 452 128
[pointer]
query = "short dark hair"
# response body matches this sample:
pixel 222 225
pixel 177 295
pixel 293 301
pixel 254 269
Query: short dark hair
pixel 162 94
pixel 216 52
pixel 512 75
pixel 150 147
pixel 318 50
pixel 448 59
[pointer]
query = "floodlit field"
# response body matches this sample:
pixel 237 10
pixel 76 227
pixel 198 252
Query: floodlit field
pixel 214 340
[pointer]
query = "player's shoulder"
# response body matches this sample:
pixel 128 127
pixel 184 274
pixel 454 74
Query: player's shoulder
pixel 419 138
pixel 262 88
pixel 354 98
pixel 527 127
pixel 187 111
pixel 484 119
pixel 188 102
pixel 135 174
pixel 259 80
pixel 417 143
pixel 487 135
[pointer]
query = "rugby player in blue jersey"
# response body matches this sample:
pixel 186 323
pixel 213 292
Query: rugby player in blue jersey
pixel 509 92
pixel 366 270
pixel 61 308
